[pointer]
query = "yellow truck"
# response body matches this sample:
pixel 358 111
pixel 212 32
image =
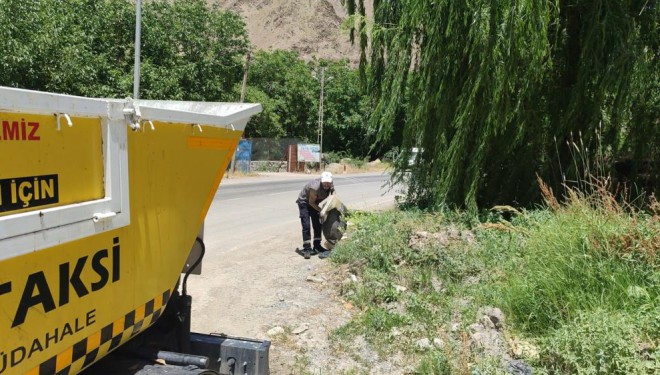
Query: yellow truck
pixel 101 201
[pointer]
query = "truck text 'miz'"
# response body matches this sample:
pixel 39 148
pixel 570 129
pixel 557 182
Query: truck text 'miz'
pixel 20 131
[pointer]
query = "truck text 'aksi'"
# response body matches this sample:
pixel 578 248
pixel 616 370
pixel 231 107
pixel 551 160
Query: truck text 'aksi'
pixel 38 288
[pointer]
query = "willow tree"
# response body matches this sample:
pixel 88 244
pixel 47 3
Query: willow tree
pixel 494 92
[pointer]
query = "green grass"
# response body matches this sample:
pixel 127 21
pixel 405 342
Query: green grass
pixel 575 261
pixel 580 282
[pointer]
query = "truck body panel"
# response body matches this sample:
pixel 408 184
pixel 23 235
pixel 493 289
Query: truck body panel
pixel 101 201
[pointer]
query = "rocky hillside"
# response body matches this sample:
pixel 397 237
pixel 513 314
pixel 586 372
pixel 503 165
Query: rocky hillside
pixel 310 27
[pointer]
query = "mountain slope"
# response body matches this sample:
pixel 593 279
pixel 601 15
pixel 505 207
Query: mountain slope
pixel 310 27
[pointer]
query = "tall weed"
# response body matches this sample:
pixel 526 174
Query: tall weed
pixel 589 253
pixel 597 342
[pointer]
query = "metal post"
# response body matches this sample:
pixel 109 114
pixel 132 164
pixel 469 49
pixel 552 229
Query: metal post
pixel 320 132
pixel 245 76
pixel 243 90
pixel 138 32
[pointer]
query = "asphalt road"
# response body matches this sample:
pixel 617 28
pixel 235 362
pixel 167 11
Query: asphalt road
pixel 354 188
pixel 251 276
pixel 248 210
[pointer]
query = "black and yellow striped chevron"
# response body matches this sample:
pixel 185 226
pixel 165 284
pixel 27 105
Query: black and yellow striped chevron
pixel 88 350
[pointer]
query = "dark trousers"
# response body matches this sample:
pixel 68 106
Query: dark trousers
pixel 308 213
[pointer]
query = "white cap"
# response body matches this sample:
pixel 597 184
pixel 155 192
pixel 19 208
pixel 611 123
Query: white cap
pixel 326 177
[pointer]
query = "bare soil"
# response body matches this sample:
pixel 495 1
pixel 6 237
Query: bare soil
pixel 312 28
pixel 296 304
pixel 262 288
pixel 269 286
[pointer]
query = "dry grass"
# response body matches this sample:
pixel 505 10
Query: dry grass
pixel 341 168
pixel 637 237
pixel 548 194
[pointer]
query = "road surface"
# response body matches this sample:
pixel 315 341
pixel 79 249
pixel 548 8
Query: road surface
pixel 251 209
pixel 252 278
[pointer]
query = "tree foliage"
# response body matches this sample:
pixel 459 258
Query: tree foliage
pixel 495 92
pixel 195 50
pixel 287 81
pixel 346 111
pixel 189 51
pixel 289 90
pixel 67 46
pixel 85 47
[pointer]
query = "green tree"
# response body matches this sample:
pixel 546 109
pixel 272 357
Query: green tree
pixel 85 47
pixel 496 91
pixel 265 124
pixel 72 46
pixel 287 81
pixel 191 51
pixel 289 89
pixel 346 111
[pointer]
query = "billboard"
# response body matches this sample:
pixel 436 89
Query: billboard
pixel 308 152
pixel 243 156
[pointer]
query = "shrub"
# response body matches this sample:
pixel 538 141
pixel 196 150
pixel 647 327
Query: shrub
pixel 596 342
pixel 334 157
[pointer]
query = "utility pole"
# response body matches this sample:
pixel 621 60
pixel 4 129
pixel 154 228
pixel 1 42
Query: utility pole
pixel 243 89
pixel 321 107
pixel 245 76
pixel 138 32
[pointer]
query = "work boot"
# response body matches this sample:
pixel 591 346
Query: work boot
pixel 325 254
pixel 307 252
pixel 318 248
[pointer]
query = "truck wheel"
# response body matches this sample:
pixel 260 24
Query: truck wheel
pixel 334 226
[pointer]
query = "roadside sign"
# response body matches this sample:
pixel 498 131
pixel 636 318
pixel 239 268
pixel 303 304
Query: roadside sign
pixel 309 152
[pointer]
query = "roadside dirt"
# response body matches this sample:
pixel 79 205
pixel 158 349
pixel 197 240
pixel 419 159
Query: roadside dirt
pixel 268 286
pixel 263 289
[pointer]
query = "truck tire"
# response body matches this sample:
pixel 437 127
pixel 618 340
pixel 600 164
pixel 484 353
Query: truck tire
pixel 334 226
